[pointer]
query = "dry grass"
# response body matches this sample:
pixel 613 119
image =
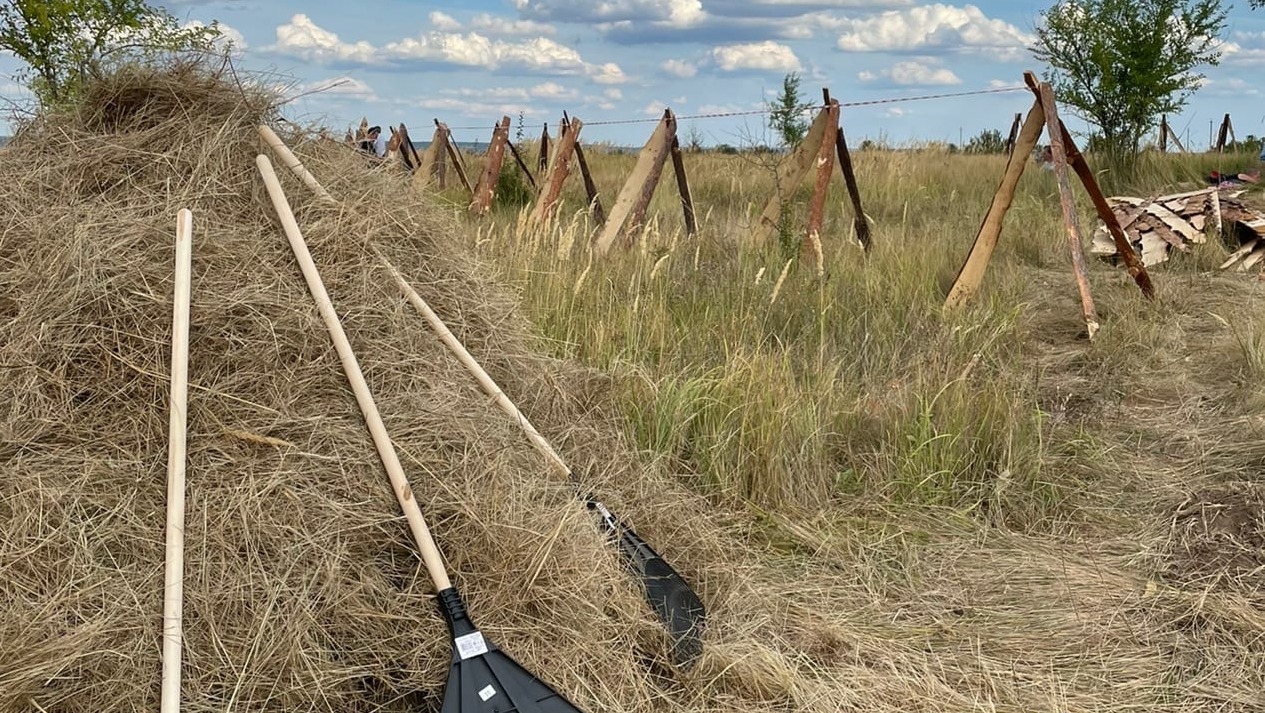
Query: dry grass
pixel 884 508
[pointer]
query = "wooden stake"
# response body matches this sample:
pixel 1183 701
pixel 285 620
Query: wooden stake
pixel 412 160
pixel 1067 201
pixel 291 161
pixel 519 160
pixel 683 187
pixel 491 173
pixel 630 206
pixel 543 157
pixel 790 174
pixel 455 156
pixel 971 275
pixel 1014 132
pixel 590 188
pixel 433 162
pixel 810 247
pixel 559 167
pixel 860 225
pixel 1164 133
pixel 173 578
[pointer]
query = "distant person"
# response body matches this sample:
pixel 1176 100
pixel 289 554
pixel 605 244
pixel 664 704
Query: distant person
pixel 1047 158
pixel 373 142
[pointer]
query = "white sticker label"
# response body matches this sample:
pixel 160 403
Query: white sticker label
pixel 471 645
pixel 487 693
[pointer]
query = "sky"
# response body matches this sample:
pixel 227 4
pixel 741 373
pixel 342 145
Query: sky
pixel 470 63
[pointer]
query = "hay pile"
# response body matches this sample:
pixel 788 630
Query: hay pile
pixel 303 591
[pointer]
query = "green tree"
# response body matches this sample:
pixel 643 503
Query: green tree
pixel 1120 64
pixel 786 112
pixel 987 141
pixel 66 42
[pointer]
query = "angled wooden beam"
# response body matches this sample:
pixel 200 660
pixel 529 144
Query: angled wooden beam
pixel 543 159
pixel 454 156
pixel 630 206
pixel 790 173
pixel 559 167
pixel 590 188
pixel 518 158
pixel 683 187
pixel 1068 202
pixel 486 189
pixel 433 162
pixel 971 274
pixel 860 225
pixel 810 248
pixel 1014 132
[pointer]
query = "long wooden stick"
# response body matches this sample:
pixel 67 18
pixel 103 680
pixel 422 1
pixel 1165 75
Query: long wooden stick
pixel 971 275
pixel 292 162
pixel 1070 222
pixel 173 577
pixel 386 451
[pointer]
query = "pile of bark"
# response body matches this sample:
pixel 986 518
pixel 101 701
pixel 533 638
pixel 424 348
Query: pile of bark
pixel 1157 226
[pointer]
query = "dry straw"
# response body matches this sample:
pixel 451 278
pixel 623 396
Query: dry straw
pixel 302 588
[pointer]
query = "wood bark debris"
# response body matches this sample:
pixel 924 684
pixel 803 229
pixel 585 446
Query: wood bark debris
pixel 1158 225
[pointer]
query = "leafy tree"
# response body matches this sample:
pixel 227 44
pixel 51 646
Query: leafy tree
pixel 989 141
pixel 66 42
pixel 1120 64
pixel 785 113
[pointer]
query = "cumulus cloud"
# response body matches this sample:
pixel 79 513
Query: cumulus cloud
pixel 933 26
pixel 670 13
pixel 304 39
pixel 913 73
pixel 760 56
pixel 444 22
pixel 496 25
pixel 679 68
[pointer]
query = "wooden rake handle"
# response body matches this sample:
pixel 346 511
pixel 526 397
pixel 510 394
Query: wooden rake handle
pixel 485 381
pixel 386 451
pixel 173 575
pixel 489 386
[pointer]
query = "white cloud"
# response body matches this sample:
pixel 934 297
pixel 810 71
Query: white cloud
pixel 613 94
pixel 444 22
pixel 934 26
pixel 654 108
pixel 765 56
pixel 679 68
pixel 913 73
pixel 495 25
pixel 304 39
pixel 668 13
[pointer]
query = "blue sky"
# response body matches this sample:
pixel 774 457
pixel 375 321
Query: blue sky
pixel 470 63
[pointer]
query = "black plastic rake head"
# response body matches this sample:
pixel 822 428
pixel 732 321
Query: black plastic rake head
pixel 484 679
pixel 667 592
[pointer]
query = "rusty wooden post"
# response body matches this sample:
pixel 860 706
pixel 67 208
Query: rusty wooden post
pixel 683 187
pixel 1163 133
pixel 432 162
pixel 859 223
pixel 543 160
pixel 1132 262
pixel 630 205
pixel 1221 134
pixel 518 158
pixel 790 173
pixel 486 189
pixel 1068 203
pixel 590 188
pixel 1014 132
pixel 810 247
pixel 454 156
pixel 408 149
pixel 559 166
pixel 971 275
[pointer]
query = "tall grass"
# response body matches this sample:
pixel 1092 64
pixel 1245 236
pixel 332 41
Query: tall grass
pixel 756 381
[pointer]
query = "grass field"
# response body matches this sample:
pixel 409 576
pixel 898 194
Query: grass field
pixel 993 470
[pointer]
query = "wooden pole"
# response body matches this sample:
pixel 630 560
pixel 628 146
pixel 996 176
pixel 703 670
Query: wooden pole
pixel 291 161
pixel 491 173
pixel 173 577
pixel 518 158
pixel 810 247
pixel 630 206
pixel 1067 201
pixel 971 275
pixel 559 167
pixel 860 225
pixel 683 187
pixel 1164 133
pixel 454 156
pixel 543 158
pixel 590 188
pixel 1014 132
pixel 351 367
